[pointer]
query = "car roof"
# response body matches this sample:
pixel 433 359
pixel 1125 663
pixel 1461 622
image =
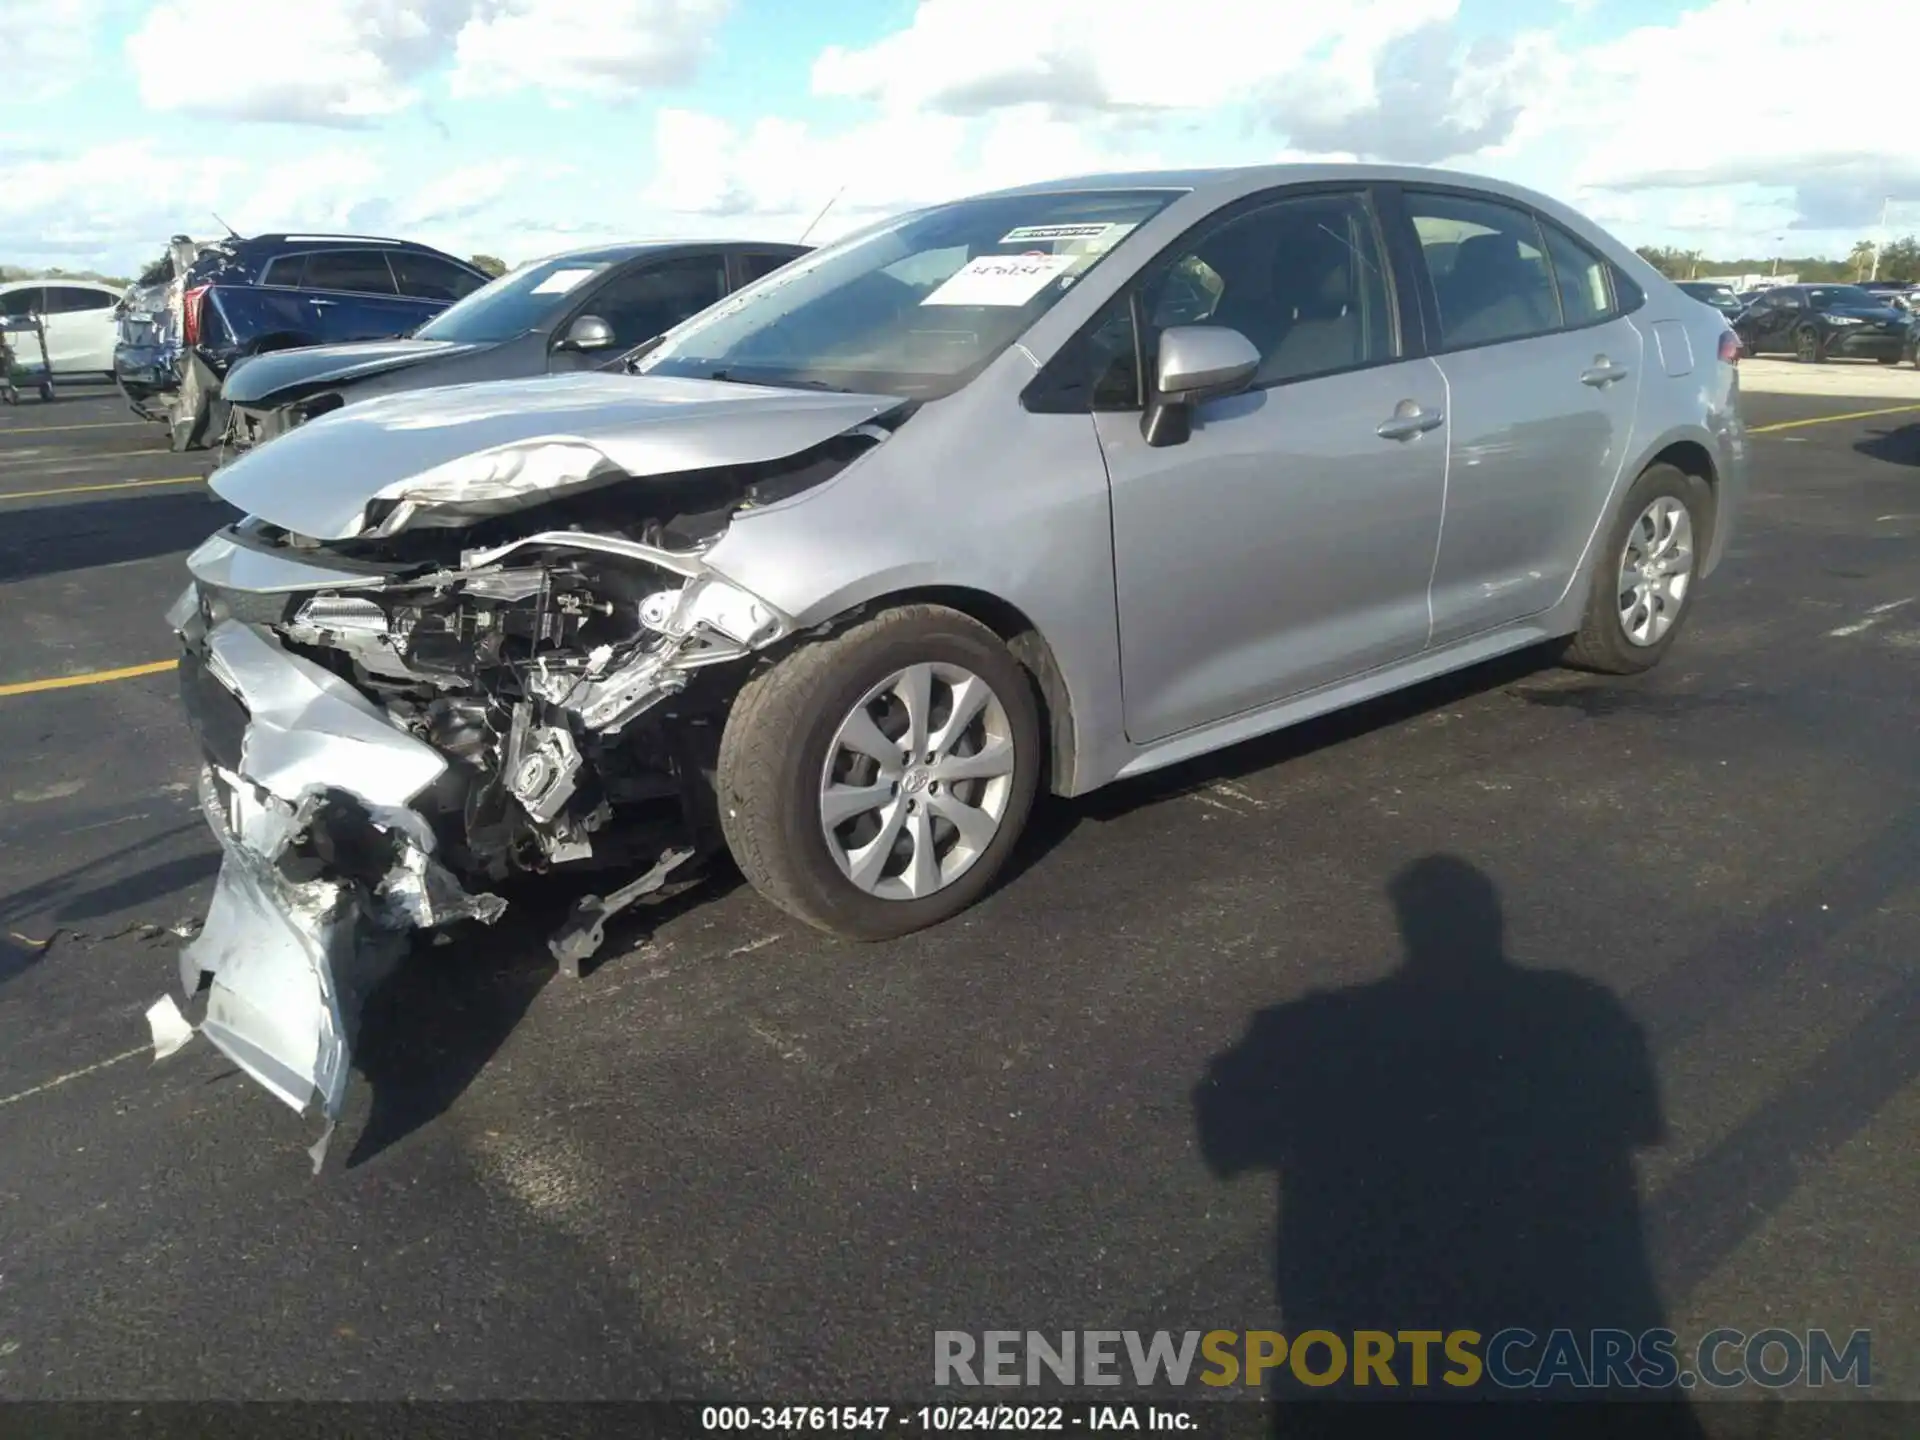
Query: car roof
pixel 1227 182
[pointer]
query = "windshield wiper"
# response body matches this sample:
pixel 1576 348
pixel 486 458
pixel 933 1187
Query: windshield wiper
pixel 730 378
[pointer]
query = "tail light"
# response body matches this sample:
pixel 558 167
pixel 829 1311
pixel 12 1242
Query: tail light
pixel 1729 348
pixel 190 304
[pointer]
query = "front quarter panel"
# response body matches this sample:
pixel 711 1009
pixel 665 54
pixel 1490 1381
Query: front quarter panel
pixel 972 493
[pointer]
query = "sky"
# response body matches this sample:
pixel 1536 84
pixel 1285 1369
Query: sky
pixel 520 127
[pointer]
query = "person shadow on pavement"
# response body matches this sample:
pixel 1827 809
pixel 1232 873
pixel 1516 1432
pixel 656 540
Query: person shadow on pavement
pixel 1453 1147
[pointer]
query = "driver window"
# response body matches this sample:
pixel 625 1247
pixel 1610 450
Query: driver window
pixel 644 303
pixel 1301 278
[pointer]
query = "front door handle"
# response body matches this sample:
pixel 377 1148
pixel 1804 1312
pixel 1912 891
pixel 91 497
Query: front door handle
pixel 322 302
pixel 1603 373
pixel 1408 421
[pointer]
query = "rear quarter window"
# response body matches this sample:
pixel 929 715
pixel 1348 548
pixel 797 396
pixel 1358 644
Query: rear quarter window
pixel 357 271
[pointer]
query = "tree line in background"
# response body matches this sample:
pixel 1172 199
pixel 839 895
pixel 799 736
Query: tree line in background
pixel 1900 260
pixel 15 272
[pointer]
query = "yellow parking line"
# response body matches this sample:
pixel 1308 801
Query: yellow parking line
pixel 1830 419
pixel 105 485
pixel 97 677
pixel 59 429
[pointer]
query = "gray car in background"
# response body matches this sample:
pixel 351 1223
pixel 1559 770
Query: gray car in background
pixel 1048 487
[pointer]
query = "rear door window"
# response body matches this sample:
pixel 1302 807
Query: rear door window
pixel 428 277
pixel 72 299
pixel 360 271
pixel 1489 269
pixel 1581 278
pixel 16 304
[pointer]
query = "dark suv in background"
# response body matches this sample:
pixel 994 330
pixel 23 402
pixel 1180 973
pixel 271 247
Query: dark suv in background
pixel 243 297
pixel 1817 322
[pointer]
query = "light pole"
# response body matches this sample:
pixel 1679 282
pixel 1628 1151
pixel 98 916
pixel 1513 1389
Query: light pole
pixel 1881 243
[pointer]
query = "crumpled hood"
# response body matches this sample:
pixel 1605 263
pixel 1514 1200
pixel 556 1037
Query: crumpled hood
pixel 318 480
pixel 261 377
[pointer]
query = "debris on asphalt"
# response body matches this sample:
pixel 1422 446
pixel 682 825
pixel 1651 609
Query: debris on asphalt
pixel 171 1029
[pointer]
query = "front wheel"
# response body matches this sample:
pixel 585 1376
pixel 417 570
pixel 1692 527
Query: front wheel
pixel 1643 586
pixel 874 783
pixel 1807 348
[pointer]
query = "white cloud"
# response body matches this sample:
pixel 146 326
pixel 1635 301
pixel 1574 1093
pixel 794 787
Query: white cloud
pixel 118 203
pixel 355 62
pixel 327 62
pixel 783 170
pixel 49 48
pixel 967 57
pixel 584 49
pixel 1746 92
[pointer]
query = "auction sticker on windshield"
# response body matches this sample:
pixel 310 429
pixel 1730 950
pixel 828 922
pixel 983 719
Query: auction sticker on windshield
pixel 561 281
pixel 1000 280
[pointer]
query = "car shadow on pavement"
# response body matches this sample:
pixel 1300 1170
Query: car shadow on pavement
pixel 53 539
pixel 1900 446
pixel 1453 1150
pixel 437 1020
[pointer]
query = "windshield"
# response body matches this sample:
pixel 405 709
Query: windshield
pixel 917 307
pixel 515 303
pixel 1824 297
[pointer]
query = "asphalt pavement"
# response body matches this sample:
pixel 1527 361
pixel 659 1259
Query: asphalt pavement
pixel 739 1159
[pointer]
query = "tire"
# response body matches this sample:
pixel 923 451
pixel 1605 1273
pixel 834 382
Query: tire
pixel 1602 643
pixel 1807 348
pixel 774 754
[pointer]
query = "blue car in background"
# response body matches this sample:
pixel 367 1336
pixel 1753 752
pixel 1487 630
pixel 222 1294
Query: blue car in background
pixel 208 306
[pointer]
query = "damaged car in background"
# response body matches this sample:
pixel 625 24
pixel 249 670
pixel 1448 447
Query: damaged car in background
pixel 1044 488
pixel 255 295
pixel 581 310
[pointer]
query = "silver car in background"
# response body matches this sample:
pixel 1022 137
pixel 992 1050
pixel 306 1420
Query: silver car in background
pixel 1043 488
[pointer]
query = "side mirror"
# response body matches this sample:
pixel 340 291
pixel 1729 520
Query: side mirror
pixel 589 332
pixel 1197 362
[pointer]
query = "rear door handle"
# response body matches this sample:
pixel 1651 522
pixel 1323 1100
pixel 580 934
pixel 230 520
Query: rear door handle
pixel 1408 421
pixel 317 301
pixel 1603 373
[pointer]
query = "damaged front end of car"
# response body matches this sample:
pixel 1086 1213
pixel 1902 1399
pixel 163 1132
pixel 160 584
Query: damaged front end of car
pixel 511 661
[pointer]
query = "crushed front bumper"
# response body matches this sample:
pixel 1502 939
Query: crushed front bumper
pixel 319 884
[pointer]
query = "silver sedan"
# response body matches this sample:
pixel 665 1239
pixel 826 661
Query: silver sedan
pixel 1043 488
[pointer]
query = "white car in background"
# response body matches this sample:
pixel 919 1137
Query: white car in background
pixel 80 322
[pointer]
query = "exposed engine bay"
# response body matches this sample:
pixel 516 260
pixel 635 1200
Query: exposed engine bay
pixel 465 692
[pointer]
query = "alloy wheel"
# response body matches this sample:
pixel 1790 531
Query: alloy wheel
pixel 1656 571
pixel 917 781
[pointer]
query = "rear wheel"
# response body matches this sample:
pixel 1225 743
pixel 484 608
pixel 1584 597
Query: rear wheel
pixel 1643 586
pixel 874 783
